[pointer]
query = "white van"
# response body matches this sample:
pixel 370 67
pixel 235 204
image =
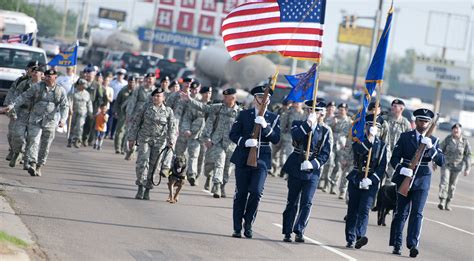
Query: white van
pixel 13 60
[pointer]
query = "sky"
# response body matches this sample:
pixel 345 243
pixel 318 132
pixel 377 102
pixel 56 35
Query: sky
pixel 409 31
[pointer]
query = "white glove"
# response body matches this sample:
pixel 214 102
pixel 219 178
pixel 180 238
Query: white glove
pixel 427 141
pixel 371 139
pixel 365 183
pixel 251 143
pixel 312 118
pixel 261 120
pixel 306 165
pixel 406 172
pixel 373 131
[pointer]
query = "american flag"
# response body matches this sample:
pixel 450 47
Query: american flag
pixel 19 38
pixel 293 28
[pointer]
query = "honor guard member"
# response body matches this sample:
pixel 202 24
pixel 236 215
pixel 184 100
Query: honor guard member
pixel 191 128
pixel 21 116
pixel 397 124
pixel 384 133
pixel 153 128
pixel 48 100
pixel 120 106
pixel 324 182
pixel 81 107
pixel 411 207
pixel 342 125
pixel 303 175
pixel 362 190
pixel 458 157
pixel 215 136
pixel 12 94
pixel 250 180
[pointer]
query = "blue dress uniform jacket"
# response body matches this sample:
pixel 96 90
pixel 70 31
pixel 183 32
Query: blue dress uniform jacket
pixel 242 131
pixel 361 200
pixel 249 181
pixel 302 184
pixel 403 152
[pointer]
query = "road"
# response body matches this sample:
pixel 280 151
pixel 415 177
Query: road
pixel 82 208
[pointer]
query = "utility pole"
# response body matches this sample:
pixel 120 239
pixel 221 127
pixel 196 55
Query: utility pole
pixel 18 4
pixel 130 24
pixel 86 19
pixel 153 26
pixel 377 20
pixel 63 26
pixel 37 11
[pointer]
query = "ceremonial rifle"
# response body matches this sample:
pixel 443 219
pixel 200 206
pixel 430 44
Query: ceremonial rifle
pixel 415 161
pixel 252 158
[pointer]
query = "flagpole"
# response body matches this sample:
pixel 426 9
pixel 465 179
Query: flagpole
pixel 315 95
pixel 69 122
pixel 377 103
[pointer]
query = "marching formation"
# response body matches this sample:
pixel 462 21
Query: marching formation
pixel 182 134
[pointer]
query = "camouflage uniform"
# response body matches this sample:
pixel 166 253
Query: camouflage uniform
pixel 179 108
pixel 458 156
pixel 340 131
pixel 217 164
pixel 12 94
pixel 286 121
pixel 193 121
pixel 153 128
pixel 395 128
pixel 46 103
pixel 120 108
pixel 329 166
pixel 19 122
pixel 81 107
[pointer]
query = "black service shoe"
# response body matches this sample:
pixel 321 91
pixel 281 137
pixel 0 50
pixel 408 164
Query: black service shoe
pixel 299 238
pixel 414 252
pixel 237 234
pixel 361 242
pixel 248 233
pixel 396 251
pixel 287 238
pixel 350 245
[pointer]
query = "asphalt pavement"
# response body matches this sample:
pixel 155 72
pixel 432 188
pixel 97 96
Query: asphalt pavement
pixel 83 208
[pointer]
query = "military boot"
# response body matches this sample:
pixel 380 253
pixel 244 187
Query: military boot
pixel 84 143
pixel 69 143
pixel 216 190
pixel 333 190
pixel 207 185
pixel 9 156
pixel 441 204
pixel 38 171
pixel 223 195
pixel 146 195
pixel 26 166
pixel 32 169
pixel 14 159
pixel 77 145
pixel 447 207
pixel 139 193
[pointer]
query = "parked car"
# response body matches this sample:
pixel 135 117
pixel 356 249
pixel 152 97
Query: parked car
pixel 81 48
pixel 13 61
pixel 185 73
pixel 50 46
pixel 169 67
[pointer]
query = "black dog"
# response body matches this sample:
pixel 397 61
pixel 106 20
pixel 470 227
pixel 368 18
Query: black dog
pixel 386 201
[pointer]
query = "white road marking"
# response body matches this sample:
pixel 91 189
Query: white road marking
pixel 452 227
pixel 335 251
pixel 456 206
pixel 207 192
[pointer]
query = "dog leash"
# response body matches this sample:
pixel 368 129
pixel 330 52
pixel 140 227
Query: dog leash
pixel 162 152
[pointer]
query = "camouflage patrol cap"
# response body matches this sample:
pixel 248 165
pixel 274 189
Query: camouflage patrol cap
pixel 229 91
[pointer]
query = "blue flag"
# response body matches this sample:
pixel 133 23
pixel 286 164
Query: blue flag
pixel 303 85
pixel 66 58
pixel 374 76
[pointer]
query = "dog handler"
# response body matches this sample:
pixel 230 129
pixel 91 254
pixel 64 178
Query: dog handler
pixel 154 127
